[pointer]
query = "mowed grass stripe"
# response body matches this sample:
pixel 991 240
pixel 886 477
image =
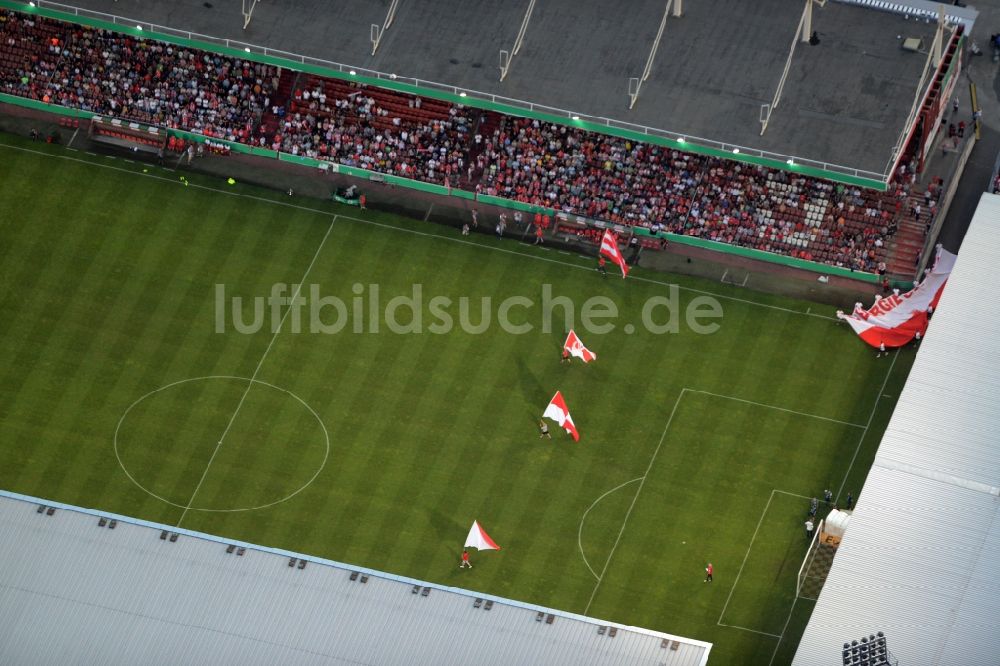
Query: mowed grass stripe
pixel 124 300
pixel 402 448
pixel 26 245
pixel 463 478
pixel 60 317
pixel 220 488
pixel 363 392
pixel 38 385
pixel 290 255
pixel 271 450
pixel 178 343
pixel 136 299
pixel 51 295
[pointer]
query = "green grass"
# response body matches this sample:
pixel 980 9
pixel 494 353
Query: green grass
pixel 109 285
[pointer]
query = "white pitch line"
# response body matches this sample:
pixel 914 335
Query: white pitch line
pixel 75 132
pixel 634 500
pixel 752 631
pixel 864 433
pixel 422 233
pixel 746 557
pixel 256 371
pixel 781 409
pixel 562 263
pixel 579 532
pixel 785 492
pixel 783 630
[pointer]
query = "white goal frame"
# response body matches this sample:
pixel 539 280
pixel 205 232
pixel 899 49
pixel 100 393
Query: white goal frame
pixel 807 562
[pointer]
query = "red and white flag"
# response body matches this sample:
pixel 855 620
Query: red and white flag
pixel 479 539
pixel 559 412
pixel 574 347
pixel 609 249
pixel 897 318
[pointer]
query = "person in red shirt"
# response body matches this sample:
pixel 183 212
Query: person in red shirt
pixel 708 573
pixel 465 560
pixel 602 266
pixel 566 358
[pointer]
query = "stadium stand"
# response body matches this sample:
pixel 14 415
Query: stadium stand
pixel 614 179
pixel 133 79
pixel 373 129
pixel 568 169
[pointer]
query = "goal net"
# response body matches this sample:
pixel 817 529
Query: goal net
pixel 816 565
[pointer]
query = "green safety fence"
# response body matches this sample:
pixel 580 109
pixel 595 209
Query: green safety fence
pixel 440 190
pixel 458 98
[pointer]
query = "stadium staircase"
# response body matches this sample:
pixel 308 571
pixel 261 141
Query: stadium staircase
pixel 906 245
pixel 486 123
pixel 282 96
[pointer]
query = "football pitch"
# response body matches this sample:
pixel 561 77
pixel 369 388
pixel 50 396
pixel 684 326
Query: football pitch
pixel 131 386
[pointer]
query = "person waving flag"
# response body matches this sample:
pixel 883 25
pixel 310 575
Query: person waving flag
pixel 559 412
pixel 574 347
pixel 609 249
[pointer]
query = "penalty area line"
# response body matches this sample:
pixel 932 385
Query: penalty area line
pixel 579 532
pixel 743 564
pixel 739 573
pixel 781 409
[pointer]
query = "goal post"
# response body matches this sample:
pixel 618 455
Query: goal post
pixel 819 558
pixel 807 563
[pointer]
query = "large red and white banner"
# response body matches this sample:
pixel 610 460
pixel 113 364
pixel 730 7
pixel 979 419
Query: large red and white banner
pixel 897 318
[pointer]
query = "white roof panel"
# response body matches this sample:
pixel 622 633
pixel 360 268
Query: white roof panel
pixel 918 561
pixel 73 592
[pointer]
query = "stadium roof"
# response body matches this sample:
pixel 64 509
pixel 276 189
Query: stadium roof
pixel 72 591
pixel 845 102
pixel 918 561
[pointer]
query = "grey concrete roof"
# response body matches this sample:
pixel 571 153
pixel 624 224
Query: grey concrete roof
pixel 918 560
pixel 845 102
pixel 73 592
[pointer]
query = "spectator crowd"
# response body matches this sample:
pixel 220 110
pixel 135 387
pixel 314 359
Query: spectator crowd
pixel 345 123
pixel 141 80
pixel 527 160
